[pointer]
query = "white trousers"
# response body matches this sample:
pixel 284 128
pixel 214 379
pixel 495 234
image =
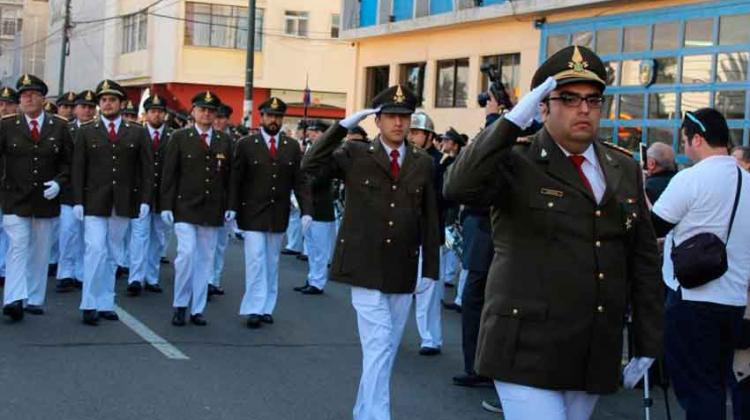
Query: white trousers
pixel 122 258
pixel 138 248
pixel 461 284
pixel 381 318
pixel 54 253
pixel 3 246
pixel 196 247
pixel 521 402
pixel 262 250
pixel 294 231
pixel 157 245
pixel 27 259
pixel 221 248
pixel 449 265
pixel 322 235
pixel 428 309
pixel 104 238
pixel 70 261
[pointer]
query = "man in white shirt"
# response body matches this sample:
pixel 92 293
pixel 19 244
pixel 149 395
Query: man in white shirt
pixel 701 323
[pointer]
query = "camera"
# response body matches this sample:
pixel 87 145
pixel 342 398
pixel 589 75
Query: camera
pixel 496 88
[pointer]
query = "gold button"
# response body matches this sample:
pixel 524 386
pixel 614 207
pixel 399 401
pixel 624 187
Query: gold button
pixel 274 175
pixel 208 180
pixel 600 309
pixel 393 205
pixel 394 187
pixel 598 244
pixel 367 182
pixel 273 201
pixel 515 311
pixel 207 191
pixel 390 223
pixel 387 241
pixel 36 158
pixel 601 276
pixel 550 204
pixel 273 188
pixel 598 213
pixel 114 182
pixel 114 169
pixel 342 240
pixel 34 171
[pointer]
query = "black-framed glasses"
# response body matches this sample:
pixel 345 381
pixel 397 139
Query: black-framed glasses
pixel 573 100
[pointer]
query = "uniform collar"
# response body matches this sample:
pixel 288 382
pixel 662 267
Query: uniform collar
pixel 401 151
pixel 152 130
pixel 39 119
pixel 117 121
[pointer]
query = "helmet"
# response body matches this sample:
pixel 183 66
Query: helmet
pixel 421 121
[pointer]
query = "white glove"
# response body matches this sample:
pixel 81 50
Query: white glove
pixel 423 284
pixel 293 200
pixel 527 108
pixel 229 215
pixel 78 212
pixel 306 222
pixel 143 211
pixel 53 188
pixel 357 117
pixel 167 216
pixel 635 370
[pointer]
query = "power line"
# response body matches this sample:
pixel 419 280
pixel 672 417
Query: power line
pixel 38 41
pixel 142 10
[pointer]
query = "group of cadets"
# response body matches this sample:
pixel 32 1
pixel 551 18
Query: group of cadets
pixel 104 191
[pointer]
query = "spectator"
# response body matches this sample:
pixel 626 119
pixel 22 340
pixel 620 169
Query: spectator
pixel 701 323
pixel 660 167
pixel 742 154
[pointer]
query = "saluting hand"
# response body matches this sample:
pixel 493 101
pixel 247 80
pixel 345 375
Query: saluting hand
pixel 527 108
pixel 354 119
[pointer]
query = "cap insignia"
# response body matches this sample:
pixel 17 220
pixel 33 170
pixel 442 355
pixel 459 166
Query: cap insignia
pixel 576 62
pixel 105 85
pixel 88 96
pixel 156 101
pixel 208 98
pixel 26 81
pixel 275 103
pixel 399 98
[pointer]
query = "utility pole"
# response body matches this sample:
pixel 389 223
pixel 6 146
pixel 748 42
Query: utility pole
pixel 64 50
pixel 249 63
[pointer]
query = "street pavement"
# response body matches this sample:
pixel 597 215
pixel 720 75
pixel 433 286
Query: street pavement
pixel 305 366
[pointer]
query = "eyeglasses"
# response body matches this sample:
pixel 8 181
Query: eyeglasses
pixel 573 100
pixel 689 115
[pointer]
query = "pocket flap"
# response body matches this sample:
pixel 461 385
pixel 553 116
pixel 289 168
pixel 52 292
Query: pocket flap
pixel 523 309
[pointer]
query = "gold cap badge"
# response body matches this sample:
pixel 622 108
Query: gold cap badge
pixel 208 98
pixel 156 100
pixel 6 92
pixel 274 103
pixel 105 85
pixel 399 98
pixel 89 97
pixel 26 80
pixel 576 62
pixel 71 96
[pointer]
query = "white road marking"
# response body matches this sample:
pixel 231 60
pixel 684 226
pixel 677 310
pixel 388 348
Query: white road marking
pixel 159 343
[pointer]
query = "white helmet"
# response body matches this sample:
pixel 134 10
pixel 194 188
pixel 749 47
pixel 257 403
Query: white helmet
pixel 421 121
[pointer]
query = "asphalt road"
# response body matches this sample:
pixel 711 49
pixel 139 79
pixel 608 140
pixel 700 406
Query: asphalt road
pixel 305 366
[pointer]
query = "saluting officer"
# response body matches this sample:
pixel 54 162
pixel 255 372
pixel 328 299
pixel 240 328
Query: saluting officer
pixel 65 105
pixel 194 196
pixel 390 214
pixel 113 168
pixel 70 263
pixel 266 170
pixel 8 105
pixel 148 235
pixel 37 148
pixel 574 246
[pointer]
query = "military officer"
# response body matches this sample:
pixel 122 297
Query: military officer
pixel 70 262
pixel 221 123
pixel 37 149
pixel 113 170
pixel 266 170
pixel 65 105
pixel 574 246
pixel 8 104
pixel 50 107
pixel 130 112
pixel 148 235
pixel 194 196
pixel 390 214
pixel 322 232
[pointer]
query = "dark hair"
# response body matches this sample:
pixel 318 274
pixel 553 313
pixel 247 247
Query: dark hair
pixel 709 124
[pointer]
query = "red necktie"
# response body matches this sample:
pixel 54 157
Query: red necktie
pixel 204 139
pixel 577 162
pixel 395 168
pixel 272 149
pixel 112 134
pixel 35 130
pixel 155 144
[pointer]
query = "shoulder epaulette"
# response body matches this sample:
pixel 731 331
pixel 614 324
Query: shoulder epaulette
pixel 5 117
pixel 618 148
pixel 60 117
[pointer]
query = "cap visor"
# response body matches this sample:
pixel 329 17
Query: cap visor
pixel 396 110
pixel 571 80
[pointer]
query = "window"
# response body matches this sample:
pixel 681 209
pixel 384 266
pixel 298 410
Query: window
pixel 412 76
pixel 335 25
pixel 608 41
pixel 295 23
pixel 377 81
pixel 10 22
pixel 220 26
pixel 734 29
pixel 134 29
pixel 452 83
pixel 509 67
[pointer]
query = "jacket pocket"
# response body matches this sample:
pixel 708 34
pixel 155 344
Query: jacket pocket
pixel 504 324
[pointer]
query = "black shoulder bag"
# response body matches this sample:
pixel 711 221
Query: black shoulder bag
pixel 703 257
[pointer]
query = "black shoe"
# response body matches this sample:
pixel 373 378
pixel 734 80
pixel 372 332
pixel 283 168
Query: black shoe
pixel 90 317
pixel 34 309
pixel 52 270
pixel 450 285
pixel 14 310
pixel 311 290
pixel 134 288
pixel 452 307
pixel 153 288
pixel 64 286
pixel 253 321
pixel 429 351
pixel 163 260
pixel 267 319
pixel 121 272
pixel 178 319
pixel 215 290
pixel 2 281
pixel 286 251
pixel 109 315
pixel 77 284
pixel 302 257
pixel 301 288
pixel 472 380
pixel 198 320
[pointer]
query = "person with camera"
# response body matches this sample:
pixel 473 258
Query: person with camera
pixel 706 264
pixel 573 246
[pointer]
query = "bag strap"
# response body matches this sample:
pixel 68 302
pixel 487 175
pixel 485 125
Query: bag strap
pixel 736 202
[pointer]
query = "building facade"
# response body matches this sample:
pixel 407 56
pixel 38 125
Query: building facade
pixel 665 57
pixel 23 31
pixel 179 47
